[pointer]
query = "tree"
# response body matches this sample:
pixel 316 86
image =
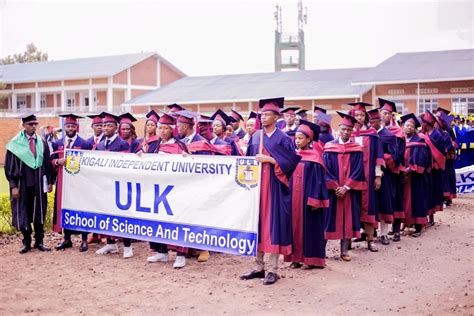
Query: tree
pixel 31 55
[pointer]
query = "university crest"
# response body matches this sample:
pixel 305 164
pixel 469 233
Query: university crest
pixel 73 161
pixel 247 173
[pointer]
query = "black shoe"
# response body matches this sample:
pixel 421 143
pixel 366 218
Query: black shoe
pixel 84 247
pixel 416 234
pixel 396 237
pixel 295 265
pixel 65 244
pixel 25 249
pixel 42 247
pixel 270 278
pixel 363 237
pixel 384 240
pixel 371 247
pixel 253 275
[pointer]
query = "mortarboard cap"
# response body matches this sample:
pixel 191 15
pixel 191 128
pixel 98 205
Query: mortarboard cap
pixel 387 105
pixel 359 106
pixel 109 118
pixel 152 116
pixel 236 115
pixel 445 118
pixel 440 109
pixel 167 119
pixel 185 117
pixel 290 110
pixel 273 104
pixel 302 112
pixel 71 118
pixel 347 119
pixel 220 115
pixel 28 118
pixel 127 118
pixel 311 130
pixel 410 118
pixel 319 109
pixel 176 107
pixel 96 119
pixel 428 118
pixel 374 114
pixel 324 118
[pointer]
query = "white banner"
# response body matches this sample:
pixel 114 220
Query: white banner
pixel 465 180
pixel 198 201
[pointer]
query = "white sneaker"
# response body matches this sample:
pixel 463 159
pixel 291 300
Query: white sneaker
pixel 159 257
pixel 127 252
pixel 180 262
pixel 109 248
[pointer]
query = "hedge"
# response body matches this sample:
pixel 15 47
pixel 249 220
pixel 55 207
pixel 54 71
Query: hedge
pixel 6 214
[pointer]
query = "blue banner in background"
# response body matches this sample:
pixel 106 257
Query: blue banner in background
pixel 208 238
pixel 465 180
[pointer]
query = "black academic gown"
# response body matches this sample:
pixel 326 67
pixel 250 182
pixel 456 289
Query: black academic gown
pixel 25 178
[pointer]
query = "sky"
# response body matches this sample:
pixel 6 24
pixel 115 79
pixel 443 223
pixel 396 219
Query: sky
pixel 230 36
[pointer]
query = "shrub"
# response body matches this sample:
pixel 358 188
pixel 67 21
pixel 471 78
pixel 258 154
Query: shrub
pixel 6 214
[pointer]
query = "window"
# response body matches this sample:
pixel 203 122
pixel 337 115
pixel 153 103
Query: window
pixel 43 102
pixel 463 105
pixel 427 105
pixel 401 107
pixel 21 102
pixel 86 101
pixel 71 100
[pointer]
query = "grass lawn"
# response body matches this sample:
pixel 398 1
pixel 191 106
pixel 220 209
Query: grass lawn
pixel 3 182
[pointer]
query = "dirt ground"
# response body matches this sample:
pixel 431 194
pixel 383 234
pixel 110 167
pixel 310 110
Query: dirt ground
pixel 433 274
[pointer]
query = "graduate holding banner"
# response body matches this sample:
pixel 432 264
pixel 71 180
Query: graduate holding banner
pixel 70 141
pixel 276 152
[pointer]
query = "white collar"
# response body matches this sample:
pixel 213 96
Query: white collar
pixel 213 141
pixel 190 138
pixel 170 141
pixel 381 128
pixel 72 138
pixel 341 142
pixel 271 134
pixel 112 138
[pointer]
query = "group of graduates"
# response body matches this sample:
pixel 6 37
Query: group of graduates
pixel 316 185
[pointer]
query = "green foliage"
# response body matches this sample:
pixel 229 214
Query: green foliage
pixel 6 214
pixel 4 187
pixel 31 55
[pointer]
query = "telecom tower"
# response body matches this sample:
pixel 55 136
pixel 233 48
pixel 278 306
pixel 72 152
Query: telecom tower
pixel 290 43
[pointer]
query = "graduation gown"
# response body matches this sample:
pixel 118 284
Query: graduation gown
pixel 240 134
pixel 417 181
pixel 176 147
pixel 395 167
pixel 325 137
pixel 274 233
pixel 118 144
pixel 310 200
pixel 235 150
pixel 133 145
pixel 449 174
pixel 58 152
pixel 93 144
pixel 20 175
pixel 344 166
pixel 373 156
pixel 386 195
pixel 200 146
pixel 436 142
